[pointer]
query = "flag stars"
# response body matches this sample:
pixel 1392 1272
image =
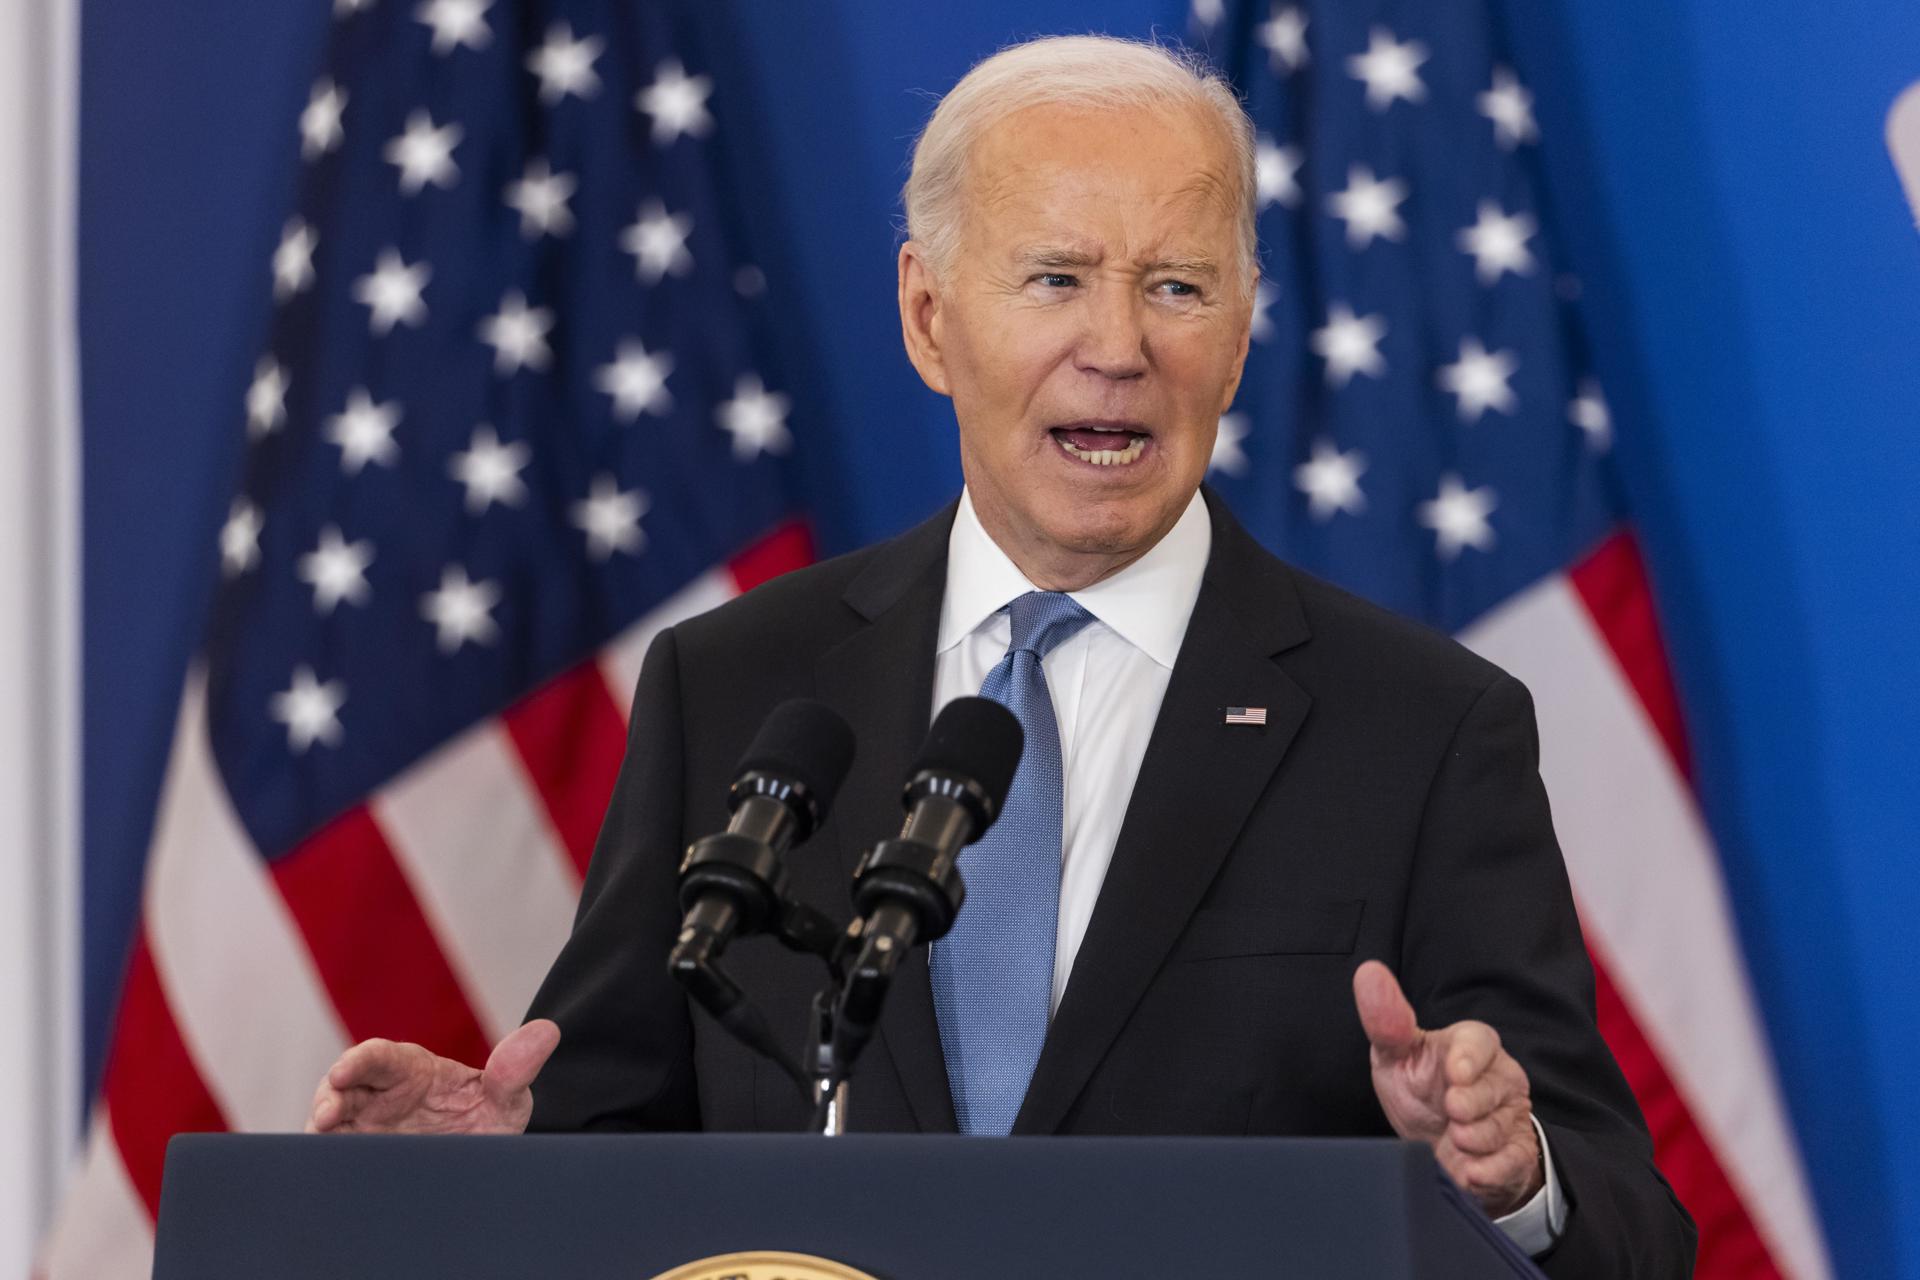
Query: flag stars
pixel 293 259
pixel 1349 344
pixel 310 708
pixel 1510 106
pixel 1229 451
pixel 392 292
pixel 364 432
pixel 540 197
pixel 518 335
pixel 677 103
pixel 611 518
pixel 1370 207
pixel 1284 35
pixel 756 418
pixel 1331 481
pixel 266 398
pixel 658 243
pixel 1208 13
pixel 637 381
pixel 1458 517
pixel 1390 69
pixel 456 24
pixel 565 65
pixel 1479 380
pixel 336 570
pixel 240 538
pixel 320 127
pixel 424 154
pixel 1275 171
pixel 490 471
pixel 1498 243
pixel 1588 411
pixel 461 611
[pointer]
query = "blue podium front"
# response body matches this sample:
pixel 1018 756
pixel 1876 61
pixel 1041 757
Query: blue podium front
pixel 890 1207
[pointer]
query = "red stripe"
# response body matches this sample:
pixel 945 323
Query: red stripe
pixel 1730 1246
pixel 371 942
pixel 1612 583
pixel 787 548
pixel 152 1088
pixel 570 736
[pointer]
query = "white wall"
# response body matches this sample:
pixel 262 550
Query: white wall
pixel 39 640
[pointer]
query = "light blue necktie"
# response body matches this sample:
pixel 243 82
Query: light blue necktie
pixel 993 974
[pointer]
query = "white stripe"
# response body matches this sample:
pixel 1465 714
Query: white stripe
pixel 473 838
pixel 103 1232
pixel 1648 882
pixel 620 660
pixel 255 1018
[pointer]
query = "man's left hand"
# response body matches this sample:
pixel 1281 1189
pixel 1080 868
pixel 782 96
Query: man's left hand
pixel 1454 1089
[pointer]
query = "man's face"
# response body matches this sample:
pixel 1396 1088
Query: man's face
pixel 1091 329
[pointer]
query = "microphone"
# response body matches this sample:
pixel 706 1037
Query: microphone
pixel 909 889
pixel 732 884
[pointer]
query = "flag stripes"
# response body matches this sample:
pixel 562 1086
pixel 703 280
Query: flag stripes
pixel 570 736
pixel 1647 881
pixel 367 935
pixel 1612 583
pixel 1730 1245
pixel 484 820
pixel 436 829
pixel 105 1230
pixel 150 1061
pixel 227 949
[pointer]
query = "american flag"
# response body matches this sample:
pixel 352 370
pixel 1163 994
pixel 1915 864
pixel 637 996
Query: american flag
pixel 514 411
pixel 1420 422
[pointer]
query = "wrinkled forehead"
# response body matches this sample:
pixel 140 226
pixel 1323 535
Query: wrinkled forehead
pixel 1138 174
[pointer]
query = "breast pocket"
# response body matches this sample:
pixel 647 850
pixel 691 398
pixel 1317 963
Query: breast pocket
pixel 1323 927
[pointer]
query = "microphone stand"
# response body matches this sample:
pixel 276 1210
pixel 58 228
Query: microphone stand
pixel 695 963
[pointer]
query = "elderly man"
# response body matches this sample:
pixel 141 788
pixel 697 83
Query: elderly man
pixel 1219 902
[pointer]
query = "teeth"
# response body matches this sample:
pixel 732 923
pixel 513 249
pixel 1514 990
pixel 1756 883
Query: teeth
pixel 1108 457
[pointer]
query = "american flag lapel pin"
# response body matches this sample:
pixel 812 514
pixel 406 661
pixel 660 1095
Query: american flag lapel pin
pixel 1246 715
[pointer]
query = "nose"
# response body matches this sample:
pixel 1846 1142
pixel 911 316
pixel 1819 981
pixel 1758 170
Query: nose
pixel 1115 342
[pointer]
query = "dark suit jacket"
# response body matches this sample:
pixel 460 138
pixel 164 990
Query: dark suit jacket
pixel 1390 808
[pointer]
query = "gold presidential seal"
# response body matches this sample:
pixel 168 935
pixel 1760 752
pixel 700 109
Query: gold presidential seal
pixel 765 1265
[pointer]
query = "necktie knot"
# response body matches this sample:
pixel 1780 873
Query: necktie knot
pixel 1045 620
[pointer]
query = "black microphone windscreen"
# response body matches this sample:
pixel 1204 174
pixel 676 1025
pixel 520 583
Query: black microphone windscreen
pixel 806 742
pixel 976 738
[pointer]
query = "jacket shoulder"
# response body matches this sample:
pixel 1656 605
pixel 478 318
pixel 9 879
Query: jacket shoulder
pixel 1392 649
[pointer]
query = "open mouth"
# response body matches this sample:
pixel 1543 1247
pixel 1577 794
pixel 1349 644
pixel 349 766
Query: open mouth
pixel 1103 444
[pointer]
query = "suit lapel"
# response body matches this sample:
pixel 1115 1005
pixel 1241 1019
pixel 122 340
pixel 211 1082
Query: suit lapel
pixel 881 679
pixel 1198 781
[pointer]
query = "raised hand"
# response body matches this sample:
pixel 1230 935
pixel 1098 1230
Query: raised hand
pixel 1454 1089
pixel 380 1086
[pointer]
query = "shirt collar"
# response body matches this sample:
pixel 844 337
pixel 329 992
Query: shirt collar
pixel 1147 603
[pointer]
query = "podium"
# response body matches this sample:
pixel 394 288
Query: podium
pixel 892 1207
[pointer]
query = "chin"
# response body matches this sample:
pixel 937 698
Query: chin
pixel 1101 528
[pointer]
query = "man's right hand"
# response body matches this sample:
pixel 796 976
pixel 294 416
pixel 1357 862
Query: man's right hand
pixel 379 1086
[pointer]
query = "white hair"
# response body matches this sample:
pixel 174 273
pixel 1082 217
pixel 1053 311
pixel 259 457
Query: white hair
pixel 1077 71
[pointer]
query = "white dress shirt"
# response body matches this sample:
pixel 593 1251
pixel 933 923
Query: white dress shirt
pixel 1107 683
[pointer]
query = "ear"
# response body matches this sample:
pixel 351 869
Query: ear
pixel 1240 356
pixel 920 316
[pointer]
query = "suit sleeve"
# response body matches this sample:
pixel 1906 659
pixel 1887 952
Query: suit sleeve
pixel 1491 934
pixel 625 1060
